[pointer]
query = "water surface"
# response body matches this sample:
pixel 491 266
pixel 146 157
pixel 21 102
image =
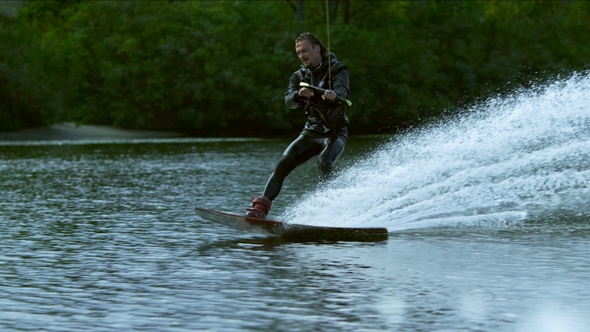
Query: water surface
pixel 488 220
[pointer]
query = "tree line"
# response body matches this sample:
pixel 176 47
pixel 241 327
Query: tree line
pixel 221 67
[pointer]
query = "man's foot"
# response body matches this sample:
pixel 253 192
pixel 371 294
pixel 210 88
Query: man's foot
pixel 260 207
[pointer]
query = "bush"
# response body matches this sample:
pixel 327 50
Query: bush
pixel 221 68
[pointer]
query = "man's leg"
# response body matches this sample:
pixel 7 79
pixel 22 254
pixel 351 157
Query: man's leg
pixel 332 151
pixel 298 152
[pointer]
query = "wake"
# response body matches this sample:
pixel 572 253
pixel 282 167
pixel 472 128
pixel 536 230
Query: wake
pixel 501 162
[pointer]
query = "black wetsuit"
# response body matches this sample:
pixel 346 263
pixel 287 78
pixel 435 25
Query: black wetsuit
pixel 326 128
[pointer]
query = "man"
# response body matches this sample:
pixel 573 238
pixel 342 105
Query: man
pixel 326 130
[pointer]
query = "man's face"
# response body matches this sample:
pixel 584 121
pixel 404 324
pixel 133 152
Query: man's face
pixel 310 56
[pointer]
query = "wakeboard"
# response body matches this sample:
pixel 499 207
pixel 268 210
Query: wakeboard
pixel 290 231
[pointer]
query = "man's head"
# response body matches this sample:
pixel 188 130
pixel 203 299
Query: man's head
pixel 310 50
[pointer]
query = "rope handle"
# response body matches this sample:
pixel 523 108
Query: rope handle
pixel 321 91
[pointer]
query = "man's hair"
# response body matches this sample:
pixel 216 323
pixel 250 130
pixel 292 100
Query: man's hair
pixel 314 41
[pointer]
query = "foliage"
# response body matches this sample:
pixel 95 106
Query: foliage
pixel 221 67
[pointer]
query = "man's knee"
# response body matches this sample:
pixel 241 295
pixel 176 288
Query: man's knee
pixel 284 166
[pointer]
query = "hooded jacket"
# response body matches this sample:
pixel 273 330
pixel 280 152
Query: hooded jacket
pixel 323 118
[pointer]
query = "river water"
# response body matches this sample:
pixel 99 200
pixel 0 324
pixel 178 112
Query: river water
pixel 488 218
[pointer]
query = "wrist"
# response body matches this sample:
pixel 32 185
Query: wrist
pixel 296 96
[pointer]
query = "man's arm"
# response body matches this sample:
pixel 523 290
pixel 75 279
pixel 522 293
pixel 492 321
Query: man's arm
pixel 340 83
pixel 292 99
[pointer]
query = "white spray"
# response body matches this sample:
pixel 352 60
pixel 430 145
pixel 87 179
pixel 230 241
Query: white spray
pixel 499 163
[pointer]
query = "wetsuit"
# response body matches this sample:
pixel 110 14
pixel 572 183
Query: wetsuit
pixel 326 128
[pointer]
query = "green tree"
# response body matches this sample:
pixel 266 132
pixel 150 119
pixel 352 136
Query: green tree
pixel 221 67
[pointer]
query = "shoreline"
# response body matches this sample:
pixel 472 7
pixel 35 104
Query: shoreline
pixel 70 131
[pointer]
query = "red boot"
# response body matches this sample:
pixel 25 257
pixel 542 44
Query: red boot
pixel 260 207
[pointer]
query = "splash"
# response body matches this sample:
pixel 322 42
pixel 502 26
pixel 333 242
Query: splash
pixel 500 162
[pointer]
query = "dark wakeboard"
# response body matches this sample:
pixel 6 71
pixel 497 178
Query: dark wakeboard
pixel 293 231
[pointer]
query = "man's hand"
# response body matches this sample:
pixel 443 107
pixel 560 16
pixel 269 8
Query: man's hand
pixel 329 95
pixel 304 92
